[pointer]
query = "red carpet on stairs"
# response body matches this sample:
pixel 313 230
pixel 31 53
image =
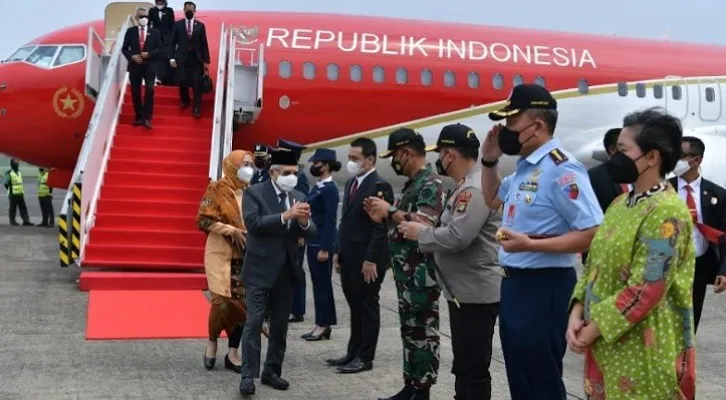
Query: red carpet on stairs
pixel 146 314
pixel 145 218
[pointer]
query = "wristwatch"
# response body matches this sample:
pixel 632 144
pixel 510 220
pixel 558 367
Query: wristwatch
pixel 489 164
pixel 392 210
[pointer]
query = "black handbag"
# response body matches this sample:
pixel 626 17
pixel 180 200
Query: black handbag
pixel 207 85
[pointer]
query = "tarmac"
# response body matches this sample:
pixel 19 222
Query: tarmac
pixel 43 353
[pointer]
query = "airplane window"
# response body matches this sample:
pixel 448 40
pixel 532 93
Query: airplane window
pixel 401 76
pixel 285 69
pixel 449 78
pixel 640 89
pixel 710 95
pixel 427 77
pixel 518 80
pixel 498 81
pixel 582 86
pixel 42 56
pixel 622 89
pixel 473 80
pixel 356 73
pixel 70 54
pixel 676 92
pixel 20 54
pixel 308 70
pixel 264 67
pixel 379 74
pixel 539 81
pixel 333 72
pixel 658 91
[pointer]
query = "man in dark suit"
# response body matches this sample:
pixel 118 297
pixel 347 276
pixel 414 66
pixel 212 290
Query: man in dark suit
pixel 707 203
pixel 141 47
pixel 361 257
pixel 277 217
pixel 161 18
pixel 602 184
pixel 189 55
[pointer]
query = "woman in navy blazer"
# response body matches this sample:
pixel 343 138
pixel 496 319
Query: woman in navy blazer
pixel 323 200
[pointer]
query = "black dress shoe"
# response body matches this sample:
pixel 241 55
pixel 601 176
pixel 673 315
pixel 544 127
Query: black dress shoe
pixel 232 366
pixel 296 318
pixel 307 335
pixel 209 362
pixel 183 105
pixel 138 121
pixel 355 366
pixel 196 113
pixel 339 362
pixel 409 393
pixel 247 386
pixel 274 381
pixel 28 223
pixel 325 334
pixel 147 124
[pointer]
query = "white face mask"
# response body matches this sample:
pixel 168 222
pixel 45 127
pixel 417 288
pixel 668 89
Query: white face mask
pixel 354 168
pixel 681 168
pixel 245 174
pixel 286 182
pixel 159 6
pixel 143 21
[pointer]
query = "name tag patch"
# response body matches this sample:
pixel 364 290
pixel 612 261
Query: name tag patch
pixel 529 186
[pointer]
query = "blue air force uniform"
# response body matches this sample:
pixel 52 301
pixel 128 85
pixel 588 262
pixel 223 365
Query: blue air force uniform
pixel 323 200
pixel 303 186
pixel 262 165
pixel 549 194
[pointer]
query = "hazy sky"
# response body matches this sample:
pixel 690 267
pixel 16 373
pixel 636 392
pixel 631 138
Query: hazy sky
pixel 695 20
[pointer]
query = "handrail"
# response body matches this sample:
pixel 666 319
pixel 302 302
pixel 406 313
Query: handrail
pixel 229 103
pixel 101 132
pixel 215 159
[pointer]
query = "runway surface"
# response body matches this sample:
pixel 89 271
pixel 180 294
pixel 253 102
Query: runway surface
pixel 43 354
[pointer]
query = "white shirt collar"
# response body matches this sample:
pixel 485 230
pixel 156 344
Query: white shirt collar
pixel 277 189
pixel 362 177
pixel 695 185
pixel 322 182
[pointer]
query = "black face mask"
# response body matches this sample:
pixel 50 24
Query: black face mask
pixel 440 169
pixel 260 163
pixel 316 170
pixel 189 14
pixel 398 166
pixel 14 166
pixel 622 169
pixel 509 140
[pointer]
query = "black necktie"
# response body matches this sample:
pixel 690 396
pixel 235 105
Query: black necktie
pixel 282 197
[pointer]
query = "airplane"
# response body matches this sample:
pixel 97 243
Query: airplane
pixel 330 78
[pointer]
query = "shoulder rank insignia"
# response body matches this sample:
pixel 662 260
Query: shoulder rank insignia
pixel 557 156
pixel 462 201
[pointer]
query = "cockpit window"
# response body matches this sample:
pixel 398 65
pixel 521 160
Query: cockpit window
pixel 20 54
pixel 42 56
pixel 69 54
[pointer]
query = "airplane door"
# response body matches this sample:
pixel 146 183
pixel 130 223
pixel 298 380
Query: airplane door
pixel 709 99
pixel 96 49
pixel 249 72
pixel 676 96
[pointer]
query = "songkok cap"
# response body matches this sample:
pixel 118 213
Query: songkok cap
pixel 283 156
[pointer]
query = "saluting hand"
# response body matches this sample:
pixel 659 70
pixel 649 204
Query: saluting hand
pixel 513 242
pixel 720 284
pixel 490 150
pixel 410 229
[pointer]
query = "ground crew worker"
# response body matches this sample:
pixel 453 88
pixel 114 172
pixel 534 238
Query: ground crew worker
pixel 417 284
pixel 465 248
pixel 45 198
pixel 550 214
pixel 262 164
pixel 16 194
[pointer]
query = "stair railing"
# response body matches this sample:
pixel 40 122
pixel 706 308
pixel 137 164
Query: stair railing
pixel 215 155
pixel 229 100
pixel 101 132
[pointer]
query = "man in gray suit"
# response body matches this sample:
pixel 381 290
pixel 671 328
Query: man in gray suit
pixel 276 216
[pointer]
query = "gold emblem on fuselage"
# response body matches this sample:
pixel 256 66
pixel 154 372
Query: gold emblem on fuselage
pixel 68 103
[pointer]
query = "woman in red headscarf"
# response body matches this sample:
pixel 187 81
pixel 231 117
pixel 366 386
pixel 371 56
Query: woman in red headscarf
pixel 220 216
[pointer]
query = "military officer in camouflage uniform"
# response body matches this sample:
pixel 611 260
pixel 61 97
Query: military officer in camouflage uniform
pixel 421 200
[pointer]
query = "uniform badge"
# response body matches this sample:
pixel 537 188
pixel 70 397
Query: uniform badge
pixel 572 191
pixel 557 156
pixel 528 199
pixel 517 196
pixel 566 179
pixel 714 200
pixel 510 213
pixel 462 201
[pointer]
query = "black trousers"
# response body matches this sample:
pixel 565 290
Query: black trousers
pixel 46 209
pixel 144 108
pixel 191 75
pixel 365 311
pixel 18 202
pixel 472 330
pixel 706 268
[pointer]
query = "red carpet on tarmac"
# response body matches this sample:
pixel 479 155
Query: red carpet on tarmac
pixel 146 314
